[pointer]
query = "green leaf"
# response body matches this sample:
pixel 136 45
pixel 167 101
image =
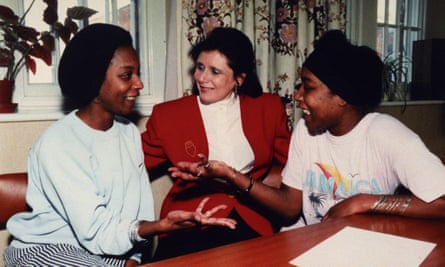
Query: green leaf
pixel 80 12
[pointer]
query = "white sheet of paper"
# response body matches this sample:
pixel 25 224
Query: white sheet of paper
pixel 357 247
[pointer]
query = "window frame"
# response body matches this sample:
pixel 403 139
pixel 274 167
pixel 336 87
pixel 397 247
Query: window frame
pixel 361 29
pixel 34 99
pixel 407 44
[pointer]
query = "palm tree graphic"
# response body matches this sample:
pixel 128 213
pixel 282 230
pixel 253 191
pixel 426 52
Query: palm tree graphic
pixel 317 201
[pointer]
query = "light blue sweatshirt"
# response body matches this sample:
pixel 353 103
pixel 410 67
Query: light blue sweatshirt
pixel 86 188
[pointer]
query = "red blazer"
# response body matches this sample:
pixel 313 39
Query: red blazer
pixel 175 132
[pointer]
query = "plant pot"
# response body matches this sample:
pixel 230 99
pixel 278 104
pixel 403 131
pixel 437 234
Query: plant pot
pixel 6 91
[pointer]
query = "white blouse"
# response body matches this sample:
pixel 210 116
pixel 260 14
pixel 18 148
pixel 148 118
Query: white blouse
pixel 227 142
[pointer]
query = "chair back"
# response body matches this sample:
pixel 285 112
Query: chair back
pixel 12 195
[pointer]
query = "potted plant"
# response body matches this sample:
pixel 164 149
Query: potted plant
pixel 395 77
pixel 21 44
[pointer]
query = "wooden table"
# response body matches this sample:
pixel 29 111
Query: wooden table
pixel 279 249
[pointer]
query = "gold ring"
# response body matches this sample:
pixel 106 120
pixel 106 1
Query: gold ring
pixel 207 165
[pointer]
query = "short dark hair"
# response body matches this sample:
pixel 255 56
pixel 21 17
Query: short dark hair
pixel 85 61
pixel 238 50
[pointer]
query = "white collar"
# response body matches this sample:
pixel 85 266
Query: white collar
pixel 224 103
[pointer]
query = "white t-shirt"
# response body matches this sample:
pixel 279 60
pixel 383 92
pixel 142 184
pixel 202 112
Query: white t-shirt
pixel 374 158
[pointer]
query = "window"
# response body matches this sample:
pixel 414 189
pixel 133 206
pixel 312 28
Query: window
pixel 47 74
pixel 142 18
pixel 399 23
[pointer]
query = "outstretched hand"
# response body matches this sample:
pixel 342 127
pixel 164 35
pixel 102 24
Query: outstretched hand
pixel 192 171
pixel 179 219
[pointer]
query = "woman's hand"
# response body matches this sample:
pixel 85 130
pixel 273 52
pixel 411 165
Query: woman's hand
pixel 192 171
pixel 179 219
pixel 131 263
pixel 356 204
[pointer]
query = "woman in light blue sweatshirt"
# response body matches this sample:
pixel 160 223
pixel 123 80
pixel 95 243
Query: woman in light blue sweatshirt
pixel 88 190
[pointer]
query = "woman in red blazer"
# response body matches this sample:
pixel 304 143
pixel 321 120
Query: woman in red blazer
pixel 230 119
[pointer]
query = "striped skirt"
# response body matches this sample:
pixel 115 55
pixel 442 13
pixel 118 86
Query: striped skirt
pixel 57 255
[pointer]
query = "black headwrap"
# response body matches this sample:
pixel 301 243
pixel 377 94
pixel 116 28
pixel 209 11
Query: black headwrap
pixel 352 72
pixel 85 61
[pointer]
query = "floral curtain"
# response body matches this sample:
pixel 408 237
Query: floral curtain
pixel 283 33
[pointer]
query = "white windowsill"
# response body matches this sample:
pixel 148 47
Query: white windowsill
pixel 42 115
pixel 412 103
pixel 30 116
